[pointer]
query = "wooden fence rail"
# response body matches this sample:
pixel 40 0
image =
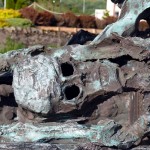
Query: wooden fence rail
pixel 68 30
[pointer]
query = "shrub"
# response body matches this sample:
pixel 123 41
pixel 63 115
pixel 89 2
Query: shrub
pixel 9 13
pixel 68 19
pixel 45 19
pixel 99 24
pixel 60 21
pixel 3 23
pixel 106 14
pixel 71 20
pixel 19 22
pixel 108 20
pixel 38 18
pixel 11 45
pixel 10 17
pixel 29 13
pixel 87 21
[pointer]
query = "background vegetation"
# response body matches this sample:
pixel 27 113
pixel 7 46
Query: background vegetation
pixel 19 22
pixel 10 17
pixel 75 14
pixel 75 6
pixel 11 45
pixel 69 19
pixel 16 4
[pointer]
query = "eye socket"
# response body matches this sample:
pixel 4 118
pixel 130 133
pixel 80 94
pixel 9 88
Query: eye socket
pixel 67 69
pixel 71 92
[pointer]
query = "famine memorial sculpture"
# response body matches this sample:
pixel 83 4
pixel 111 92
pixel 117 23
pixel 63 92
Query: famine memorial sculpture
pixel 97 93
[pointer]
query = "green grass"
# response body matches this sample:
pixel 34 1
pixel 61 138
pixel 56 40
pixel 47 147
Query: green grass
pixel 19 22
pixel 76 6
pixel 11 45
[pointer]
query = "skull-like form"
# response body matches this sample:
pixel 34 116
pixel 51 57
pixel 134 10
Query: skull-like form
pixel 45 84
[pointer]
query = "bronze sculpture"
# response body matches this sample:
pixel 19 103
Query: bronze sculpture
pixel 104 84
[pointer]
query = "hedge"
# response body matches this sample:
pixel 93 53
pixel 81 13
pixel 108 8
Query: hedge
pixel 19 22
pixel 68 19
pixel 9 13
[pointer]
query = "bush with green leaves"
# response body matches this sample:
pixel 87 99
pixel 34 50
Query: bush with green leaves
pixel 87 21
pixel 3 23
pixel 10 17
pixel 19 22
pixel 106 14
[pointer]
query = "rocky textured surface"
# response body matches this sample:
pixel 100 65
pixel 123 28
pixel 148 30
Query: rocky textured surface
pixel 32 36
pixel 35 84
pixel 64 85
pixel 106 132
pixel 96 93
pixel 28 146
pixel 38 87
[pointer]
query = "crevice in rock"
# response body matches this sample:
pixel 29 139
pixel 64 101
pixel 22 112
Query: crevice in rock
pixel 116 41
pixel 82 122
pixel 8 101
pixel 83 77
pixel 8 108
pixel 143 34
pixel 67 69
pixel 62 117
pixel 91 60
pixel 127 89
pixel 36 52
pixel 121 61
pixel 6 78
pixel 14 116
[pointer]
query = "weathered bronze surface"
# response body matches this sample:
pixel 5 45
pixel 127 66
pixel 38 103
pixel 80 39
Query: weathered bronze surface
pixel 97 93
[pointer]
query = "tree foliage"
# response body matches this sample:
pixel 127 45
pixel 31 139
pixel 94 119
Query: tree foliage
pixel 75 6
pixel 16 4
pixel 20 4
pixel 10 4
